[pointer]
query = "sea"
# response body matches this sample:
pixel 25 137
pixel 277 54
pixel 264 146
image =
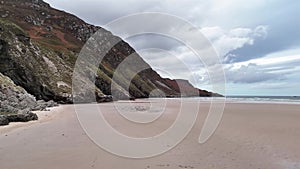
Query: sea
pixel 250 99
pixel 264 99
pixel 253 99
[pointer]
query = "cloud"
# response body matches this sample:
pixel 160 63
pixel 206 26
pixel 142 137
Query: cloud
pixel 167 63
pixel 224 41
pixel 276 67
pixel 250 73
pixel 283 31
pixel 228 41
pixel 145 41
pixel 288 58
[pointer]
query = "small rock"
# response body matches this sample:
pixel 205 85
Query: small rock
pixel 49 28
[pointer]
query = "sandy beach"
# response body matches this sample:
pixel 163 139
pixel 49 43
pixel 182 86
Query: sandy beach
pixel 250 136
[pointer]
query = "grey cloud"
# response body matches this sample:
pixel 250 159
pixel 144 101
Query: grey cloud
pixel 166 63
pixel 283 33
pixel 103 11
pixel 251 73
pixel 153 41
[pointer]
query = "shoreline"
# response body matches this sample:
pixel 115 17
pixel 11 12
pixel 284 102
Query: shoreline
pixel 243 100
pixel 249 136
pixel 50 113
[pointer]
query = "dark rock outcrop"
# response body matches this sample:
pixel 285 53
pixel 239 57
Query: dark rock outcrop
pixel 22 117
pixel 16 104
pixel 25 117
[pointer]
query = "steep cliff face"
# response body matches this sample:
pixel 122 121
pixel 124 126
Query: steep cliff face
pixel 37 68
pixel 16 104
pixel 39 46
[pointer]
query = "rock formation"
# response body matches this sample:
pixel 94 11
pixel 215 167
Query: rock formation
pixel 16 104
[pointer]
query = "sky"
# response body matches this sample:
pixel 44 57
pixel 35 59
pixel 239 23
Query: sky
pixel 257 41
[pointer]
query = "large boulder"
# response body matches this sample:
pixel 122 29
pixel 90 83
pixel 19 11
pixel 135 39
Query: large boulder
pixel 29 116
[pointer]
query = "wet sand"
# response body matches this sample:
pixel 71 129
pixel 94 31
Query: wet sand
pixel 250 136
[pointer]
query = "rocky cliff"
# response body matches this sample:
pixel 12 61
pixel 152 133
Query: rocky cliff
pixel 39 46
pixel 16 104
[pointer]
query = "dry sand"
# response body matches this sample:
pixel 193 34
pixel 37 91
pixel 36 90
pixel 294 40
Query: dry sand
pixel 250 136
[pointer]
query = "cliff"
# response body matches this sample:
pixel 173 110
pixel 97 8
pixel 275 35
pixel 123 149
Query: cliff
pixel 39 46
